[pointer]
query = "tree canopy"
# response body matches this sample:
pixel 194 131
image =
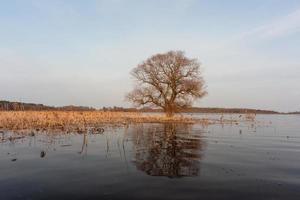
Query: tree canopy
pixel 170 81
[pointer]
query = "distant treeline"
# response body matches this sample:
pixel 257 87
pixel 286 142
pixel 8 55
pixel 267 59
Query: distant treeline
pixel 295 113
pixel 194 110
pixel 19 106
pixel 229 110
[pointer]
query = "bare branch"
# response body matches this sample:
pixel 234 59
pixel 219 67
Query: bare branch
pixel 170 81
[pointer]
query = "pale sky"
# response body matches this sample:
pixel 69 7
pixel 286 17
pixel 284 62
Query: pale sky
pixel 59 52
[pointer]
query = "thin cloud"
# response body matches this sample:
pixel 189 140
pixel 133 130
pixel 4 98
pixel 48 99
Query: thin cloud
pixel 284 26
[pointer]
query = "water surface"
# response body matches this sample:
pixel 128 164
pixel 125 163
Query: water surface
pixel 245 160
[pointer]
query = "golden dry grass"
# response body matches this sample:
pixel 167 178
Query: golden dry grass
pixel 76 121
pixel 68 120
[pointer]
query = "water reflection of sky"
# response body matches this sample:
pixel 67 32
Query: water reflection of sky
pixel 170 150
pixel 170 160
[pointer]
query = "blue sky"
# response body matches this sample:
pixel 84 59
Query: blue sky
pixel 81 52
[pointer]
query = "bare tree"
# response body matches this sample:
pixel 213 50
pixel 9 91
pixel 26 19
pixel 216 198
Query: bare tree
pixel 170 81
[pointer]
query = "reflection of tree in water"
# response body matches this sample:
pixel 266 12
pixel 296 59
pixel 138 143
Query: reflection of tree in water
pixel 167 150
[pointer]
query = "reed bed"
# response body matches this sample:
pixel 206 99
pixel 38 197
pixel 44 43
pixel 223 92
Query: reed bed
pixel 69 120
pixel 91 121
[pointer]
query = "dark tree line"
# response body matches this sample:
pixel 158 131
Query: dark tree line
pixel 19 106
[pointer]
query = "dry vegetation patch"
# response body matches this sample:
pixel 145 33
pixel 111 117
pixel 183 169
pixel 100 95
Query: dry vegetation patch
pixel 69 120
pixel 91 121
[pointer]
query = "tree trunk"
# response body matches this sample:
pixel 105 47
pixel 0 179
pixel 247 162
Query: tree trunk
pixel 169 114
pixel 169 111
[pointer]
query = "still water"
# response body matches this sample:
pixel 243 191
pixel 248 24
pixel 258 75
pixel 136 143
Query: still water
pixel 246 160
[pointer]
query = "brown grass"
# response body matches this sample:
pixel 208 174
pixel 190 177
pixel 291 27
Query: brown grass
pixel 94 121
pixel 68 121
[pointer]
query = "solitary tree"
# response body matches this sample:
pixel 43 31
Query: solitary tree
pixel 170 81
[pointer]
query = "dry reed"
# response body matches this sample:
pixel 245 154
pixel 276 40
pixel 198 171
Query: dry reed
pixel 94 121
pixel 69 121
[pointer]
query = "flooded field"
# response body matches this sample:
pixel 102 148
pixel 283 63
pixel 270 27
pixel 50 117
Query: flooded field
pixel 257 159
